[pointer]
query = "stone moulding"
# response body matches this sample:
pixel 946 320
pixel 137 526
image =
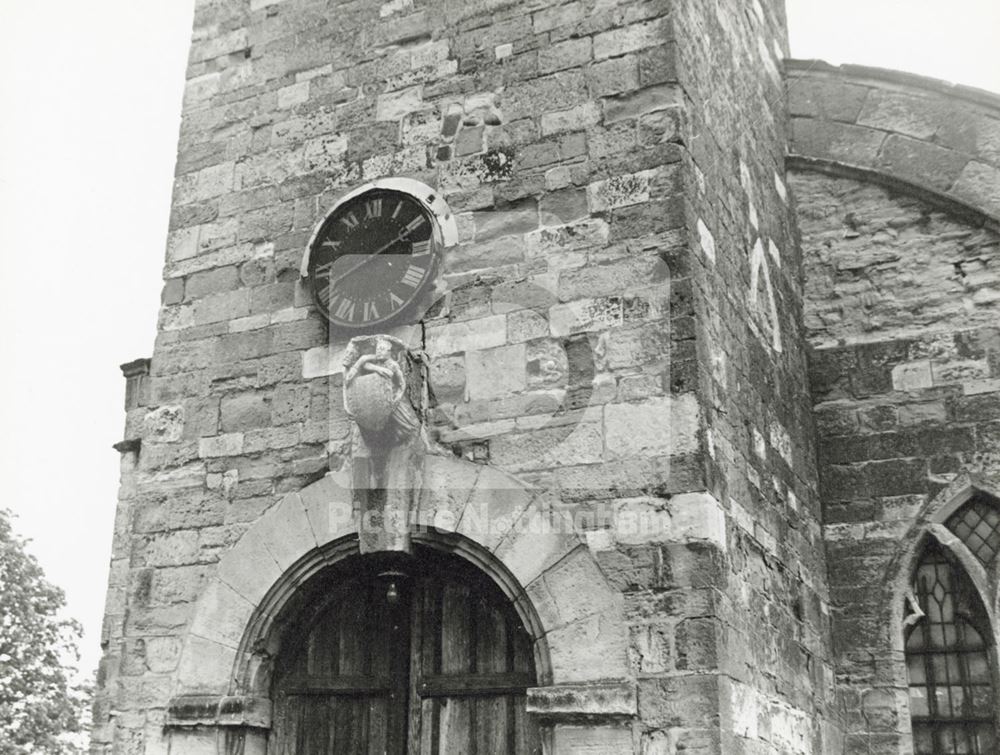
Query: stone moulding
pixel 957 208
pixel 926 138
pixel 569 703
pixel 214 710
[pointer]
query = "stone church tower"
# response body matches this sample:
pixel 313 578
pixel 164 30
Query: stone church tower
pixel 563 377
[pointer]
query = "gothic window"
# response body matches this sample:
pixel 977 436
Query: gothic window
pixel 977 524
pixel 426 657
pixel 949 661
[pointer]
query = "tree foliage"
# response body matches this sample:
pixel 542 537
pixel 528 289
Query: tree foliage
pixel 41 709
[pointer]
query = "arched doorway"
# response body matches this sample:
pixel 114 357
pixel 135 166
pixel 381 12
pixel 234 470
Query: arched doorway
pixel 403 655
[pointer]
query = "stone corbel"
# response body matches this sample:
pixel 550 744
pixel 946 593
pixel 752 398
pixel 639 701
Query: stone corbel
pixel 127 446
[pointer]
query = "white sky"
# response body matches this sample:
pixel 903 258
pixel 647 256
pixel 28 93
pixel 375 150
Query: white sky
pixel 91 96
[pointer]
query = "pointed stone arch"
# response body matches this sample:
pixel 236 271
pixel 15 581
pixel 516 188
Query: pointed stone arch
pixel 498 523
pixel 929 526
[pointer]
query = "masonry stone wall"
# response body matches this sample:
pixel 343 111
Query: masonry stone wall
pixel 902 307
pixel 882 265
pixel 776 679
pixel 619 326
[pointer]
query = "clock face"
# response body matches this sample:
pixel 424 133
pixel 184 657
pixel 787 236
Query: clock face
pixel 372 259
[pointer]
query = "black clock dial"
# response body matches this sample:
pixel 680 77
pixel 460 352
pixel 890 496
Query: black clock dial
pixel 372 259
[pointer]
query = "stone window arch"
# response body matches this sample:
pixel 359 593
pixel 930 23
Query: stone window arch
pixel 950 659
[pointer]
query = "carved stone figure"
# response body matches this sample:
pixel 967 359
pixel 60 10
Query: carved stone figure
pixel 385 393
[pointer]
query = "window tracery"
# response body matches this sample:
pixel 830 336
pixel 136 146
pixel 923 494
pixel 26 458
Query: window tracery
pixel 949 658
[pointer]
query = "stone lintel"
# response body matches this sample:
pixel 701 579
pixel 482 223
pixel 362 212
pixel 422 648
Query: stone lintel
pixel 585 702
pixel 213 710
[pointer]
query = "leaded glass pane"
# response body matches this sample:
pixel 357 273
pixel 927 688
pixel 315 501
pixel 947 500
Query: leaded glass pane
pixel 947 660
pixel 977 524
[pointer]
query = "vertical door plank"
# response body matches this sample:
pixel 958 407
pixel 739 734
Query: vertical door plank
pixel 455 726
pixel 456 715
pixel 420 605
pixel 397 624
pixel 491 657
pixel 526 731
pixel 378 723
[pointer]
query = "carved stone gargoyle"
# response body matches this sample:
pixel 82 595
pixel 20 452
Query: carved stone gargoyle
pixel 386 394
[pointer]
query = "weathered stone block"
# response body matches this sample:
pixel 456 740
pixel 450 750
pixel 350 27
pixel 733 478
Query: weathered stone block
pixel 912 376
pixel 661 426
pixel 162 654
pixel 570 53
pixel 492 373
pixel 221 615
pixel 923 163
pixel 249 568
pixel 484 333
pixel 590 649
pixel 635 104
pixel 286 532
pixel 540 539
pixel 593 740
pixel 230 444
pixel 853 145
pixel 245 411
pixel 835 100
pixel 164 425
pixel 917 117
pixel 205 667
pixel 979 185
pixel 573 119
pixel 601 699
pixel 614 76
pixel 222 307
pixel 559 91
pixel 619 191
pixel 631 38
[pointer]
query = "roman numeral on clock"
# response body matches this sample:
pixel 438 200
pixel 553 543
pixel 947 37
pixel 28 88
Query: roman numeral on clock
pixel 350 220
pixel 415 223
pixel 373 208
pixel 371 311
pixel 421 248
pixel 325 295
pixel 345 311
pixel 395 300
pixel 414 274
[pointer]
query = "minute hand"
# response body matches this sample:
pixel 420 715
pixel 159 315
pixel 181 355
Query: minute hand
pixel 335 280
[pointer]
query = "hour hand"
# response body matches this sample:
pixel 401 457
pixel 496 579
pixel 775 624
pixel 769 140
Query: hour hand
pixel 334 280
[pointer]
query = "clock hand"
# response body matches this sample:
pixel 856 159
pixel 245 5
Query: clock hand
pixel 368 258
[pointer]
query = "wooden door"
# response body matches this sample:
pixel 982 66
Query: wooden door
pixel 471 664
pixel 432 663
pixel 341 689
